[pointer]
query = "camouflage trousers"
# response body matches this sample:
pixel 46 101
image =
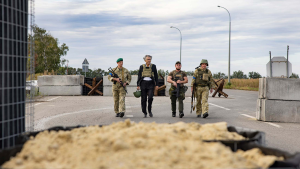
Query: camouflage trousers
pixel 119 99
pixel 202 98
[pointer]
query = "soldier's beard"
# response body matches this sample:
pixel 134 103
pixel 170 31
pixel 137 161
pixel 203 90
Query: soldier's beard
pixel 177 69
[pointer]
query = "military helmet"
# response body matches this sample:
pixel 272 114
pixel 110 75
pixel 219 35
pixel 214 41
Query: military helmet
pixel 204 61
pixel 137 93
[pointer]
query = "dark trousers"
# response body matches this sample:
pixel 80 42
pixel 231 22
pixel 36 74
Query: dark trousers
pixel 147 88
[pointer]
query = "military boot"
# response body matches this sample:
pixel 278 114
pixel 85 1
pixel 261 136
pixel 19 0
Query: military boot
pixel 118 115
pixel 150 114
pixel 205 115
pixel 198 116
pixel 181 114
pixel 145 115
pixel 122 114
pixel 173 114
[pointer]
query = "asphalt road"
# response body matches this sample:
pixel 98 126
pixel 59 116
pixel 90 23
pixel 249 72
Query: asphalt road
pixel 237 110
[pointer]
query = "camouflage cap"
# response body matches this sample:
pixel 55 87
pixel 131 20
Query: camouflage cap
pixel 177 62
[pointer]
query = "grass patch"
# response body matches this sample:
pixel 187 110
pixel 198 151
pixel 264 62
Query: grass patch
pixel 242 84
pixel 35 76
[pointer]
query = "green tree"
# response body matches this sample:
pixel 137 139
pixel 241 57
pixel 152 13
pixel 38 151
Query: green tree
pixel 219 75
pixel 189 73
pixel 254 75
pixel 47 50
pixel 160 73
pixel 294 75
pixel 167 72
pixel 134 72
pixel 239 75
pixel 97 72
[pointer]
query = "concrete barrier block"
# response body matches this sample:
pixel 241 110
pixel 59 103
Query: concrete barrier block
pixel 61 90
pixel 61 80
pixel 261 88
pixel 279 89
pixel 278 111
pixel 259 109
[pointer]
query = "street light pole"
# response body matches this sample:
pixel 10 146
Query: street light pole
pixel 229 43
pixel 180 40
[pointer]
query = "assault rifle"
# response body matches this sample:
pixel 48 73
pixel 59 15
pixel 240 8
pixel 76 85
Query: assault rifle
pixel 113 74
pixel 177 91
pixel 193 95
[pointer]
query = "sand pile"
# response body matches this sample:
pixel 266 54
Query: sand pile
pixel 137 145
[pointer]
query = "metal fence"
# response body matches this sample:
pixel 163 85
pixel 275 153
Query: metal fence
pixel 16 64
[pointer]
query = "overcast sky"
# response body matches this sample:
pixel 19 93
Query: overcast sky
pixel 104 30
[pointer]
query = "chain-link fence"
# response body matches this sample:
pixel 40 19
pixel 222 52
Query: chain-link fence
pixel 16 64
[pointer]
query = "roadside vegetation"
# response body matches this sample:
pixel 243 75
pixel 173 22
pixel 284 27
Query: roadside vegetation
pixel 242 84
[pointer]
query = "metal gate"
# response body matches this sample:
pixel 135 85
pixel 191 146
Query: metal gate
pixel 16 65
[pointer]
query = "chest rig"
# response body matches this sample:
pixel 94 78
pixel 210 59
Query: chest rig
pixel 202 78
pixel 147 71
pixel 177 76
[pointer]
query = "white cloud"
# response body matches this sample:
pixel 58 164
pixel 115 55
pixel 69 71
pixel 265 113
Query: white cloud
pixel 102 31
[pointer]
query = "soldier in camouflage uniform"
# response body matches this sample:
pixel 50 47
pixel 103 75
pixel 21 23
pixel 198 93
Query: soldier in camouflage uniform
pixel 177 77
pixel 117 89
pixel 203 83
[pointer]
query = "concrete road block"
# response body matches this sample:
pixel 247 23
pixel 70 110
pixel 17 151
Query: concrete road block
pixel 60 80
pixel 278 111
pixel 279 89
pixel 61 90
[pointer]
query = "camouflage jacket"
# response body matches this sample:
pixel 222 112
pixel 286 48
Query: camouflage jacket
pixel 127 77
pixel 211 81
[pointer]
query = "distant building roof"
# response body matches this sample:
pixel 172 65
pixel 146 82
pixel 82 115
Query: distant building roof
pixel 85 61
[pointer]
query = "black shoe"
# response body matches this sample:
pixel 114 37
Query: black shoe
pixel 181 114
pixel 205 115
pixel 150 114
pixel 118 115
pixel 173 114
pixel 198 116
pixel 122 114
pixel 145 115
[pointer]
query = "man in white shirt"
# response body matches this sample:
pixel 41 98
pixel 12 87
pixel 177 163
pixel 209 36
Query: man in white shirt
pixel 147 80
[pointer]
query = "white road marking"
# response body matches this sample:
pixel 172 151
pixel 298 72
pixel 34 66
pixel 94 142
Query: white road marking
pixel 53 99
pixel 129 115
pixel 219 106
pixel 272 124
pixel 129 111
pixel 41 123
pixel 248 116
pixel 128 106
pixel 41 103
